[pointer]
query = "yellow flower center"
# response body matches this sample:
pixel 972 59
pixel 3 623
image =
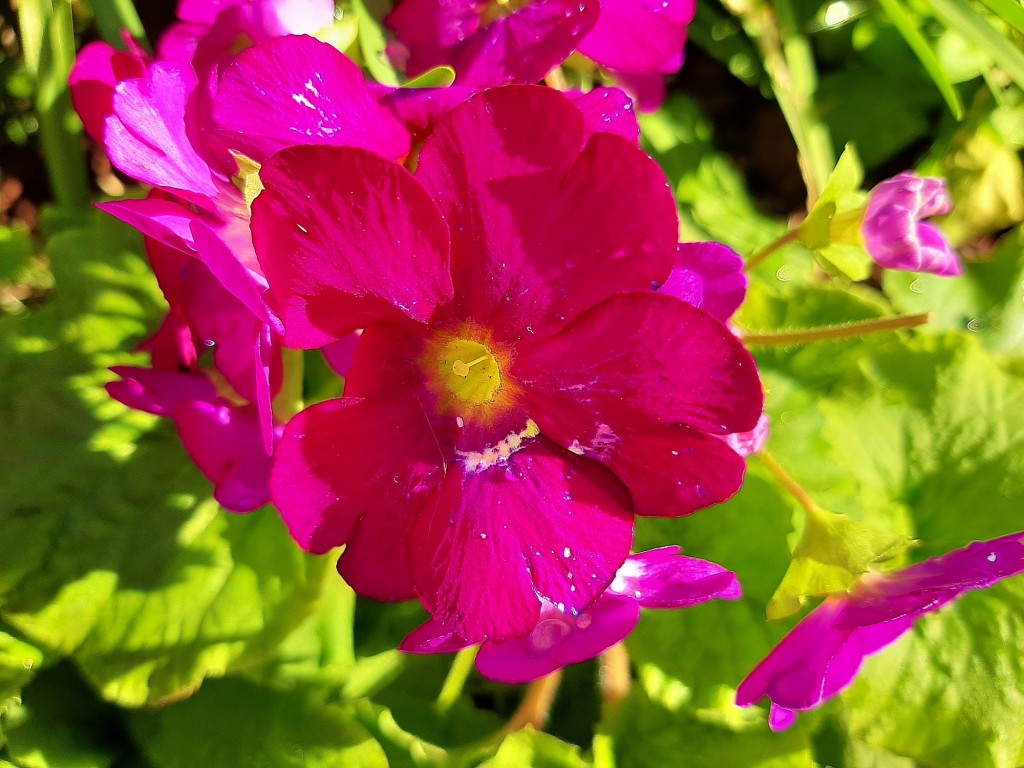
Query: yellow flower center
pixel 469 370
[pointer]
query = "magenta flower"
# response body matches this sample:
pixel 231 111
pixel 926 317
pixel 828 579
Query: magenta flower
pixel 640 41
pixel 821 656
pixel 491 43
pixel 660 578
pixel 211 32
pixel 487 43
pixel 221 436
pixel 159 131
pixel 518 392
pixel 709 276
pixel 894 233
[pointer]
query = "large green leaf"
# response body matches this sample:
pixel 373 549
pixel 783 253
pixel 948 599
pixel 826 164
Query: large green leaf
pixel 60 724
pixel 714 645
pixel 234 722
pixel 988 299
pixel 119 558
pixel 650 732
pixel 932 426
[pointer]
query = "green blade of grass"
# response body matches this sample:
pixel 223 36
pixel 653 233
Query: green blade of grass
pixel 114 15
pixel 908 27
pixel 1010 11
pixel 974 27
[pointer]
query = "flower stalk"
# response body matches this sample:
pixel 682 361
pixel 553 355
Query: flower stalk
pixel 455 681
pixel 535 707
pixel 783 240
pixel 832 333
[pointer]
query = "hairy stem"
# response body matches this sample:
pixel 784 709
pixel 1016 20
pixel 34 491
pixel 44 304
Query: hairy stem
pixel 831 333
pixel 536 705
pixel 784 239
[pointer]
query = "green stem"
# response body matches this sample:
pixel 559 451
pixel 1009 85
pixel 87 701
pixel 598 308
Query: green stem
pixel 786 480
pixel 785 239
pixel 458 674
pixel 48 41
pixel 289 400
pixel 831 333
pixel 615 678
pixel 533 711
pixel 789 62
pixel 114 15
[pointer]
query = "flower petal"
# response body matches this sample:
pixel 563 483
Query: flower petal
pixel 664 578
pixel 344 460
pixel 347 240
pixel 709 276
pixel 158 392
pixel 524 46
pixel 559 640
pixel 640 35
pixel 640 359
pixel 146 136
pixel 98 70
pixel 671 470
pixel 225 442
pixel 545 524
pixel 823 653
pixel 528 252
pixel 609 110
pixel 309 93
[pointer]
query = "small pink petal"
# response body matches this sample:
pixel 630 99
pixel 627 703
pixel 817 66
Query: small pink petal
pixel 158 392
pixel 225 443
pixel 609 110
pixel 146 135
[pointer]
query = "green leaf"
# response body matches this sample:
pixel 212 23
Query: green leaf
pixel 986 181
pixel 372 45
pixel 438 77
pixel 122 560
pixel 950 692
pixel 929 425
pixel 233 722
pixel 653 734
pixel 60 724
pixel 15 249
pixel 909 27
pixel 987 300
pixel 832 228
pixel 960 16
pixel 711 191
pixel 529 749
pixel 1009 11
pixel 832 553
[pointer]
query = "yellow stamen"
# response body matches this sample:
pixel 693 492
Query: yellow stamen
pixel 460 368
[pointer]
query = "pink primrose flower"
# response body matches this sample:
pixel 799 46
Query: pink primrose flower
pixel 660 578
pixel 215 407
pixel 221 436
pixel 519 392
pixel 488 43
pixel 159 133
pixel 491 43
pixel 822 655
pixel 211 32
pixel 894 233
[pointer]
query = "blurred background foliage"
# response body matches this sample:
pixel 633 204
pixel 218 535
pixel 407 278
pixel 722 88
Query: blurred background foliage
pixel 123 587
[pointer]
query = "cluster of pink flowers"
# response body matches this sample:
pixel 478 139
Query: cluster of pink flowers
pixel 531 358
